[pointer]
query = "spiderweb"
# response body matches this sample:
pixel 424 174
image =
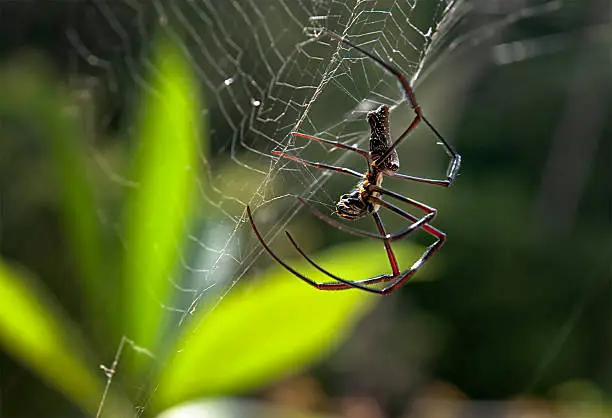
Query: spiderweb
pixel 266 72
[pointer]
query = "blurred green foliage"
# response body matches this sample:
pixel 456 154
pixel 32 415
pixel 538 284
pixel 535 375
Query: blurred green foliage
pixel 34 332
pixel 160 205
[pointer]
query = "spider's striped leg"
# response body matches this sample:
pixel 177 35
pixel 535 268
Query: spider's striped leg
pixel 319 165
pixel 321 286
pixel 336 144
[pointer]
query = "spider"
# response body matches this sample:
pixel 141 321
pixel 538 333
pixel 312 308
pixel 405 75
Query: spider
pixel 366 198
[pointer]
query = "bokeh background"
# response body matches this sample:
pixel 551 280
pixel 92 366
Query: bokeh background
pixel 512 318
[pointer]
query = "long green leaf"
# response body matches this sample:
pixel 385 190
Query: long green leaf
pixel 160 207
pixel 264 332
pixel 30 95
pixel 33 332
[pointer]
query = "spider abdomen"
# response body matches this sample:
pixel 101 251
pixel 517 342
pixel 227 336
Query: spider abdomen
pixel 380 140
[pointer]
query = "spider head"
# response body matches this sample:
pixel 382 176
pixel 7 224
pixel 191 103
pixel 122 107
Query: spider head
pixel 352 206
pixel 380 140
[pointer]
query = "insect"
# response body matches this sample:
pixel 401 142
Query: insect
pixel 367 197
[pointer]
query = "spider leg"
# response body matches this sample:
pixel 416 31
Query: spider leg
pixel 443 183
pixel 337 144
pixel 406 275
pixel 418 224
pixel 321 286
pixel 400 279
pixel 343 282
pixel 404 199
pixel 391 237
pixel 388 248
pixel 319 165
pixel 455 163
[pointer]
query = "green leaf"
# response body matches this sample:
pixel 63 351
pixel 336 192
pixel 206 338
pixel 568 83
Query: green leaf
pixel 267 331
pixel 159 212
pixel 34 333
pixel 29 94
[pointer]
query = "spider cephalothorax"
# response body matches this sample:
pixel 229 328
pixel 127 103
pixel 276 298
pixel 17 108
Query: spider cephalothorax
pixel 359 202
pixel 366 198
pixel 352 206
